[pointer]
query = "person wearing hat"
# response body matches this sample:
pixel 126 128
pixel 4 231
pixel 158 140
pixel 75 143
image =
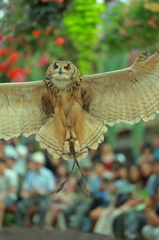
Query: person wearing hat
pixel 38 185
pixel 151 230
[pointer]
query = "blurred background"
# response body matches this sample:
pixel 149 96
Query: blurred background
pixel 97 36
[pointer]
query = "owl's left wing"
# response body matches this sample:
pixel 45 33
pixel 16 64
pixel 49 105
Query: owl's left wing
pixel 125 95
pixel 24 107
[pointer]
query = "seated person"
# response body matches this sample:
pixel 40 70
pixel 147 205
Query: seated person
pixel 128 195
pixel 60 201
pixel 80 207
pixel 12 174
pixel 38 185
pixel 7 190
pixel 151 230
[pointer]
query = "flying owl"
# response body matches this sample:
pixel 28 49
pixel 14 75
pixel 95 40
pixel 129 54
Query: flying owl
pixel 67 108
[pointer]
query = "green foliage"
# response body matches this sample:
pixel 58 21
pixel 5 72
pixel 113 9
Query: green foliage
pixel 22 18
pixel 36 25
pixel 82 22
pixel 129 26
pixel 137 135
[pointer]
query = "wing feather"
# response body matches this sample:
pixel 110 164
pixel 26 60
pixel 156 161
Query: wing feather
pixel 22 108
pixel 125 95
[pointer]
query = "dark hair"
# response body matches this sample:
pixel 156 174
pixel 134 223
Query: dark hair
pixel 146 145
pixel 138 169
pixel 2 160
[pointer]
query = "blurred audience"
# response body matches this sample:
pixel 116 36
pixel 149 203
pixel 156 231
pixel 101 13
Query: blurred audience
pixel 123 202
pixel 151 230
pixel 19 152
pixel 7 189
pixel 75 213
pixel 39 183
pixel 107 156
pixel 146 153
pixel 155 143
pixel 61 201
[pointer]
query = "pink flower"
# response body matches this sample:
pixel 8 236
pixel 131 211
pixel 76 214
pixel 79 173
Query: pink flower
pixel 130 23
pixel 126 10
pixel 123 32
pixel 42 61
pixel 152 23
pixel 58 1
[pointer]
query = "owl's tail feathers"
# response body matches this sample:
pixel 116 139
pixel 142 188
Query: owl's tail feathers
pixel 94 131
pixel 47 138
pixel 93 134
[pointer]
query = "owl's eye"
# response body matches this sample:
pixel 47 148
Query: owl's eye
pixel 67 68
pixel 55 67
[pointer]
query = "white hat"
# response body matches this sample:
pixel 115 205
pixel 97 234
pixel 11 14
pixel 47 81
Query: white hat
pixel 108 175
pixel 38 157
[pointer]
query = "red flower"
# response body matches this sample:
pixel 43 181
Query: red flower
pixel 59 41
pixel 58 1
pixel 17 74
pixel 13 57
pixel 4 51
pixel 42 61
pixel 10 38
pixel 41 42
pixel 1 37
pixel 3 66
pixel 152 23
pixel 36 33
pixel 48 29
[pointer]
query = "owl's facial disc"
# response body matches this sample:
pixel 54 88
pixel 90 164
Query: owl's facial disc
pixel 62 71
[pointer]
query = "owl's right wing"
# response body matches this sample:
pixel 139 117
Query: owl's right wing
pixel 126 95
pixel 23 108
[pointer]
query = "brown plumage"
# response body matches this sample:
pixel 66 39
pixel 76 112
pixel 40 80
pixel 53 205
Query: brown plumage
pixel 68 108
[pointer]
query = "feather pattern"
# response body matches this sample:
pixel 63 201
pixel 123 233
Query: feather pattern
pixel 21 108
pixel 68 109
pixel 126 95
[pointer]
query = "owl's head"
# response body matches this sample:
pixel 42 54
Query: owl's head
pixel 64 72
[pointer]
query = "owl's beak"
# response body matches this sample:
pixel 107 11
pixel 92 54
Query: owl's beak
pixel 60 70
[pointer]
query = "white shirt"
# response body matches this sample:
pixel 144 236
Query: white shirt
pixel 20 163
pixel 13 179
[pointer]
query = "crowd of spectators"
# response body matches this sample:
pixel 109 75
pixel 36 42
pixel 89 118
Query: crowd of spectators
pixel 123 201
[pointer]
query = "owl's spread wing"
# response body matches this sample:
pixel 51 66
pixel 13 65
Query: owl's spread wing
pixel 126 95
pixel 23 108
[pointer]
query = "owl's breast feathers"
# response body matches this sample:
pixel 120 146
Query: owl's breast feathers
pixel 64 93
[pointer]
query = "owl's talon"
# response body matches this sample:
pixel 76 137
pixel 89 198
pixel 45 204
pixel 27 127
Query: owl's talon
pixel 67 146
pixel 76 146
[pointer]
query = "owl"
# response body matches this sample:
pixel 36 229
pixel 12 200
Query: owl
pixel 68 111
